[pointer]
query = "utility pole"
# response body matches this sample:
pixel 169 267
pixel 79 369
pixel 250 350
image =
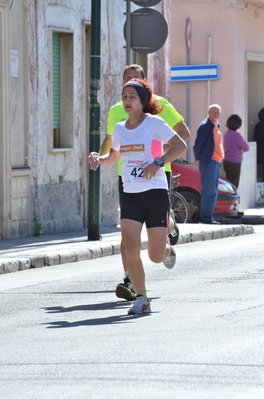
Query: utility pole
pixel 94 131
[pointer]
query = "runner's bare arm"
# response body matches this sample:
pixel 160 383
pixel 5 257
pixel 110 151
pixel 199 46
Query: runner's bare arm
pixel 182 130
pixel 108 159
pixel 106 145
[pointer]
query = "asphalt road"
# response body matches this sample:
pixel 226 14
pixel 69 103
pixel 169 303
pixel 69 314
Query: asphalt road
pixel 64 334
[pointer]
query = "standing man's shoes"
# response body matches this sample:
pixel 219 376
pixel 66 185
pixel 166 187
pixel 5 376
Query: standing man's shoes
pixel 209 221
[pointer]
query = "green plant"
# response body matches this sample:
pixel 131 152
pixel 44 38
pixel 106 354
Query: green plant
pixel 38 226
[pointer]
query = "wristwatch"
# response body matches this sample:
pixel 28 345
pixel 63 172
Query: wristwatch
pixel 159 161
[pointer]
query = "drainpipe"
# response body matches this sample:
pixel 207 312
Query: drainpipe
pixel 94 132
pixel 209 62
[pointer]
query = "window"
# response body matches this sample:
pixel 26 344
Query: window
pixel 56 88
pixel 62 89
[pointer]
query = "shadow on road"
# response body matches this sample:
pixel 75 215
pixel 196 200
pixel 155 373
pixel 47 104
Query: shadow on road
pixel 95 321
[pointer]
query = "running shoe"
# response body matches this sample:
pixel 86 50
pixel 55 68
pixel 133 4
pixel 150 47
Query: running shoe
pixel 125 290
pixel 170 261
pixel 140 305
pixel 174 234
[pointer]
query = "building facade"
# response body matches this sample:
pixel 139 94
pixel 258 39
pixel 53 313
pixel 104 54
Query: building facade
pixel 45 72
pixel 229 34
pixel 45 81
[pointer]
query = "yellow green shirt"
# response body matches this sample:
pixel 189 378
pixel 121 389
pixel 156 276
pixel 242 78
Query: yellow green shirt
pixel 117 114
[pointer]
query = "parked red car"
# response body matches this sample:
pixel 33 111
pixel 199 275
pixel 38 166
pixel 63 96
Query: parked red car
pixel 190 187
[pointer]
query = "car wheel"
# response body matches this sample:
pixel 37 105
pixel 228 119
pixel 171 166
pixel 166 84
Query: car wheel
pixel 194 202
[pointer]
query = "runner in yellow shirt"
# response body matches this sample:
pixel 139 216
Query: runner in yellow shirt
pixel 117 114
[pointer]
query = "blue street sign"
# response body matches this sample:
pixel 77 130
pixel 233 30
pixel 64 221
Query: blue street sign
pixel 185 73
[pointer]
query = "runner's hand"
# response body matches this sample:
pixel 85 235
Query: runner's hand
pixel 93 160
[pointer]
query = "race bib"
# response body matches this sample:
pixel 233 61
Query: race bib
pixel 133 174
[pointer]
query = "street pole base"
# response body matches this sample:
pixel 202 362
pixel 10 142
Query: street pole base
pixel 94 232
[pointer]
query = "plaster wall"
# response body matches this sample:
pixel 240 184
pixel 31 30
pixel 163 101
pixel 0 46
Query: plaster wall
pixel 113 61
pixel 207 21
pixel 57 177
pixel 234 29
pixel 233 32
pixel 59 182
pixel 18 120
pixel 51 185
pixel 20 175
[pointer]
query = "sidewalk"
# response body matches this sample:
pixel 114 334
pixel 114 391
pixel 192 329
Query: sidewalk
pixel 48 250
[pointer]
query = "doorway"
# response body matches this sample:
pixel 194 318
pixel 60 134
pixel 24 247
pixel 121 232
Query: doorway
pixel 255 90
pixel 5 141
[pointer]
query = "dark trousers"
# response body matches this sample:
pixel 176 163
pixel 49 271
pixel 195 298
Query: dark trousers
pixel 260 172
pixel 232 170
pixel 209 180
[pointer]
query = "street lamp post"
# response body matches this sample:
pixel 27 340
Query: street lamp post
pixel 94 131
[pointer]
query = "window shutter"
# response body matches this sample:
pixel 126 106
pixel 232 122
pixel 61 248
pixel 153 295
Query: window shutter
pixel 56 78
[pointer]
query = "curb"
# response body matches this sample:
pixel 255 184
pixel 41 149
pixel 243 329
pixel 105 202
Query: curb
pixel 245 219
pixel 80 252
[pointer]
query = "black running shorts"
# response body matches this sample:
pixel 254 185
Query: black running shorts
pixel 121 189
pixel 151 207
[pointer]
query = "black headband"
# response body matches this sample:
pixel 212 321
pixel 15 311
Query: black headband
pixel 141 91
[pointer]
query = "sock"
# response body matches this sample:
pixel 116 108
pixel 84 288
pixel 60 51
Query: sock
pixel 126 274
pixel 142 293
